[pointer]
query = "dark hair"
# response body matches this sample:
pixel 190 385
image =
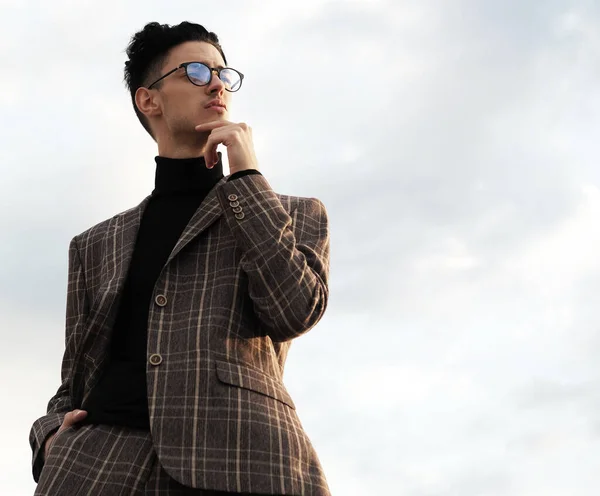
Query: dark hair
pixel 149 49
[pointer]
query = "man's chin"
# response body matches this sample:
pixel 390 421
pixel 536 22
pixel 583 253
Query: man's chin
pixel 215 113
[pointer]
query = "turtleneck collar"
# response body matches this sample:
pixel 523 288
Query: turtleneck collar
pixel 180 176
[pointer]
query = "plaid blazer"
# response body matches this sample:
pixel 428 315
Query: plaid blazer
pixel 248 274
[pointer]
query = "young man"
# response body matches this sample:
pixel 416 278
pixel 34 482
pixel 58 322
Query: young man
pixel 181 310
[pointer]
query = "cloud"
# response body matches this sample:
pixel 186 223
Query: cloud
pixel 454 145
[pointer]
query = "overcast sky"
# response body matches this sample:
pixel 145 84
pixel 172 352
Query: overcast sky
pixel 455 146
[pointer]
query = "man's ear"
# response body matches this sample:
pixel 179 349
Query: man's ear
pixel 147 102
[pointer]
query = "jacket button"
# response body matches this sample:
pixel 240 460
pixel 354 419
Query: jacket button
pixel 236 210
pixel 161 300
pixel 155 359
pixel 240 216
pixel 232 197
pixel 234 203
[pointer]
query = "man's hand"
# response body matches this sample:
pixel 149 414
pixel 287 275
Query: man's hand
pixel 238 140
pixel 70 419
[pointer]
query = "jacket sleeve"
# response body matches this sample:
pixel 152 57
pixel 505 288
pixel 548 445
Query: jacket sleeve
pixel 285 255
pixel 61 402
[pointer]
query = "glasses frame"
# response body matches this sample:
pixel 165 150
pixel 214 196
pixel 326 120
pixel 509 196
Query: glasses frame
pixel 212 70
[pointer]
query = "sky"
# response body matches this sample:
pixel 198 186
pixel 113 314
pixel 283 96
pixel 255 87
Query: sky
pixel 452 143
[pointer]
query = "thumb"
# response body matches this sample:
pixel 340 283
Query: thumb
pixel 78 415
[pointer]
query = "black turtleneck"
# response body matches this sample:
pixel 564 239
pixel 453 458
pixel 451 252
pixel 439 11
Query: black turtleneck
pixel 120 396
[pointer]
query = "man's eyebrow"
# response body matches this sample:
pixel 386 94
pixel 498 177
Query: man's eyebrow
pixel 219 66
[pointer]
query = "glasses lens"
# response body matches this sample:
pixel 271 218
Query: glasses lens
pixel 198 73
pixel 231 79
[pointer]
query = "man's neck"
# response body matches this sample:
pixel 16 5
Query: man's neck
pixel 171 149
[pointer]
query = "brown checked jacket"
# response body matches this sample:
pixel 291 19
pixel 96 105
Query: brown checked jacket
pixel 247 276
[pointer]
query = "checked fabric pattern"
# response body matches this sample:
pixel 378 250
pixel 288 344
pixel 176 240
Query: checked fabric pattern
pixel 248 275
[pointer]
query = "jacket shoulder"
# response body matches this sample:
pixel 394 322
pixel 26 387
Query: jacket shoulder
pixel 98 231
pixel 292 203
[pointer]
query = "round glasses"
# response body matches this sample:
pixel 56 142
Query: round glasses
pixel 201 75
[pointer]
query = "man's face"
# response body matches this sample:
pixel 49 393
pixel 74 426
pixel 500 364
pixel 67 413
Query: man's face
pixel 185 105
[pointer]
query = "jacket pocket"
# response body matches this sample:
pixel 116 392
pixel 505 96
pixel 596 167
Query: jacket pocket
pixel 245 377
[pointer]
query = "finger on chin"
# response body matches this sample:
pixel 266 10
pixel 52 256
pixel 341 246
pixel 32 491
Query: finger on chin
pixel 209 126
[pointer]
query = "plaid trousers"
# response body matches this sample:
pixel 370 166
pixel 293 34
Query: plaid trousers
pixel 96 459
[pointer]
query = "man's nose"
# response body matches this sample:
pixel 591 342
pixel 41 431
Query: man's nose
pixel 215 84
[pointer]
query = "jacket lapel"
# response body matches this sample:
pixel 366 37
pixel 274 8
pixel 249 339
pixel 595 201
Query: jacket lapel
pixel 207 213
pixel 118 247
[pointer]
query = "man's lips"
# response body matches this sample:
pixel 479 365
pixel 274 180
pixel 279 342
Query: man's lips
pixel 216 104
pixel 217 109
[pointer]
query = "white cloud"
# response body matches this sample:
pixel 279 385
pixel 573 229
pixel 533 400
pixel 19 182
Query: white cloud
pixel 454 145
